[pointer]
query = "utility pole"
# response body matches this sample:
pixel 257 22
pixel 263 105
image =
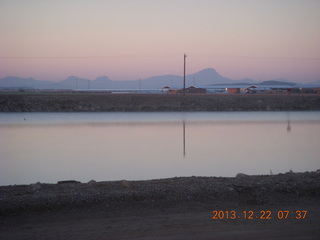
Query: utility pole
pixel 184 74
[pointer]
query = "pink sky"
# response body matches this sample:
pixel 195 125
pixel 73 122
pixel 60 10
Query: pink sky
pixel 132 39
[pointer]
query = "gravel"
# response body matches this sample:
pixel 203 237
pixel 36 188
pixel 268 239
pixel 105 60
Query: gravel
pixel 243 189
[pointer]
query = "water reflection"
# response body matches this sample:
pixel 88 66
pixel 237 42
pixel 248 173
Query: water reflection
pixel 133 146
pixel 289 126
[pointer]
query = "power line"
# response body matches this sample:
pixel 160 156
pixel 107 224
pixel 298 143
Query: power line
pixel 258 57
pixel 163 56
pixel 88 57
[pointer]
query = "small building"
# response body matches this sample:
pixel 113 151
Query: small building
pixel 166 88
pixel 307 90
pixel 251 89
pixel 189 90
pixel 295 90
pixel 233 90
pixel 280 90
pixel 193 89
pixel 173 91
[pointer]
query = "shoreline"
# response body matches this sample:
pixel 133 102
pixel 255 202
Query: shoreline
pixel 242 189
pixel 104 102
pixel 174 208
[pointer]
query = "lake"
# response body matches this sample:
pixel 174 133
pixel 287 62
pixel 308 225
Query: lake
pixel 49 147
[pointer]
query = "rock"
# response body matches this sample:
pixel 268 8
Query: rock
pixel 36 186
pixel 92 183
pixel 125 184
pixel 240 175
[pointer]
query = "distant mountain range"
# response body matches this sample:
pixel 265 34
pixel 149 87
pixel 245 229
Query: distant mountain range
pixel 264 83
pixel 204 78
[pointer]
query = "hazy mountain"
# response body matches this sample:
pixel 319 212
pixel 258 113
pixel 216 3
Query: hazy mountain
pixel 100 82
pixel 72 82
pixel 247 80
pixel 202 78
pixel 106 83
pixel 314 83
pixel 17 82
pixel 205 77
pixel 174 81
pixel 276 82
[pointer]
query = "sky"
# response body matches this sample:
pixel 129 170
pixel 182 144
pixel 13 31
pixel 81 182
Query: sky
pixel 136 39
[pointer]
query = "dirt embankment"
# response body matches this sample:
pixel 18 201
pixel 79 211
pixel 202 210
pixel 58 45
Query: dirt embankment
pixel 243 189
pixel 283 206
pixel 104 102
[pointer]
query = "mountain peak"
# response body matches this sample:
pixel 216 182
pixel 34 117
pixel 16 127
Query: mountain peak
pixel 207 76
pixel 103 79
pixel 208 70
pixel 72 77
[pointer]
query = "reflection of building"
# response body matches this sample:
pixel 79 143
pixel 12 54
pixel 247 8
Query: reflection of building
pixel 189 90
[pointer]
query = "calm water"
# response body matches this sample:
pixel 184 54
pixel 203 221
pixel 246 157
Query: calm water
pixel 49 147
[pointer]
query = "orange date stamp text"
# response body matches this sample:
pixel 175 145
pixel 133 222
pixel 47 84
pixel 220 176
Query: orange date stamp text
pixel 263 214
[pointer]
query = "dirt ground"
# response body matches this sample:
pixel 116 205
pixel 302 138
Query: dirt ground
pixel 283 206
pixel 193 222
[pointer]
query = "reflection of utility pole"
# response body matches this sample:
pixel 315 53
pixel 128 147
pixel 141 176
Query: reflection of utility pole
pixel 184 74
pixel 184 139
pixel 289 125
pixel 140 83
pixel 88 84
